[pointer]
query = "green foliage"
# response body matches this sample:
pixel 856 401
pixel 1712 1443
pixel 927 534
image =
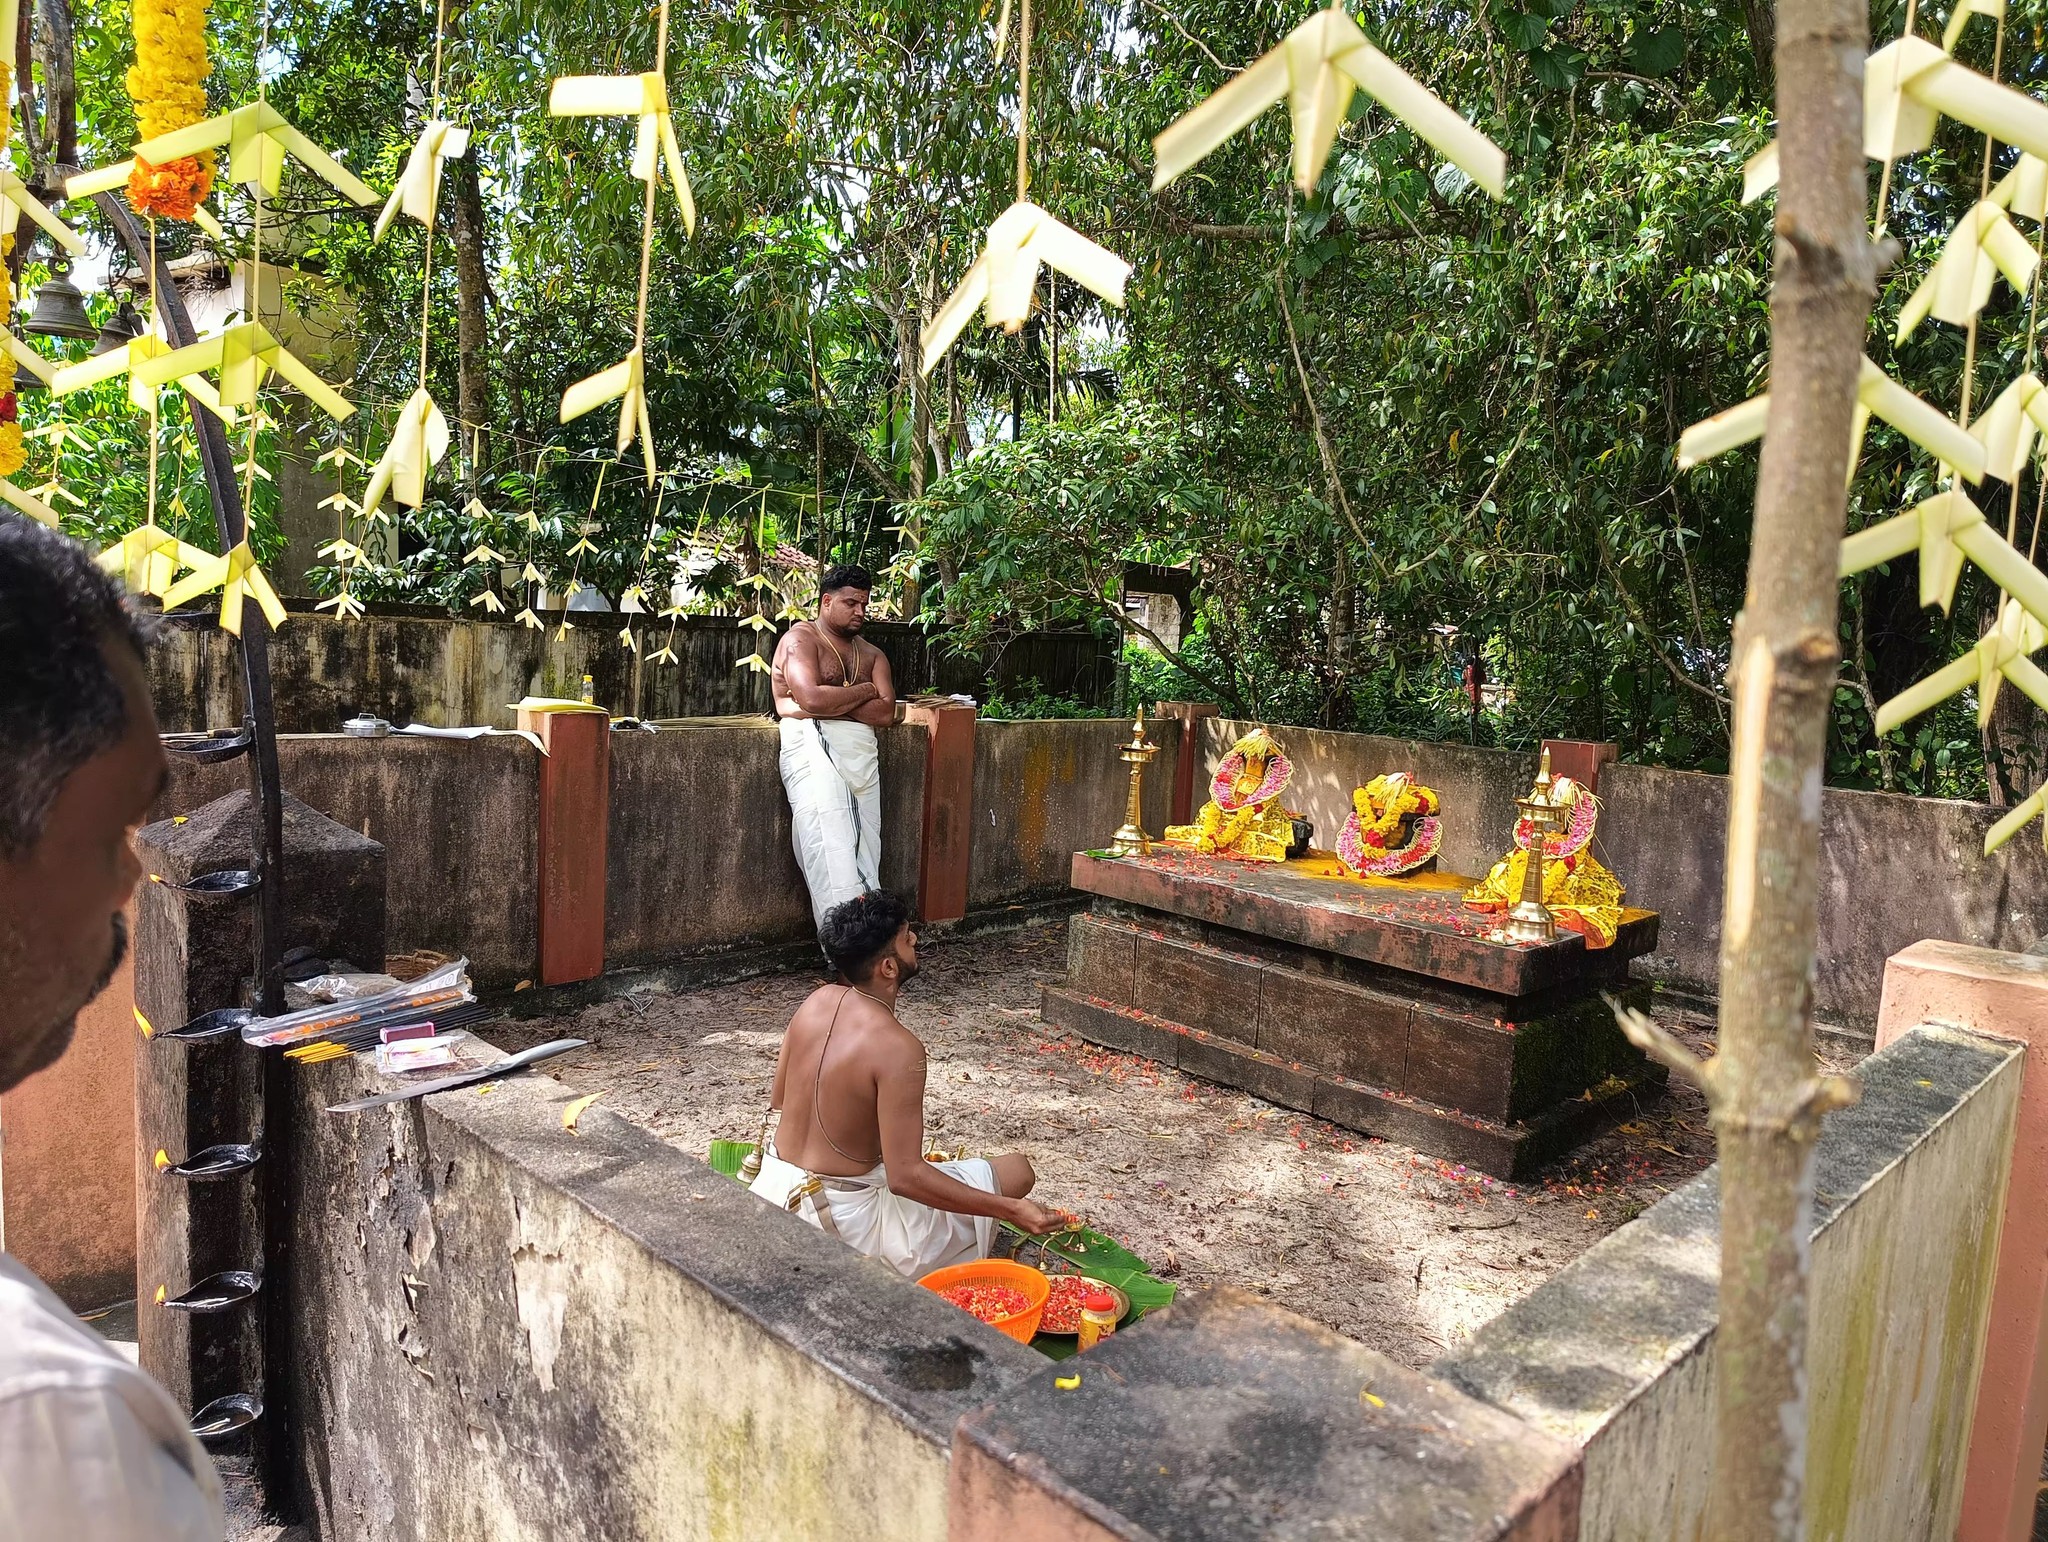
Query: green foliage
pixel 1028 700
pixel 1392 427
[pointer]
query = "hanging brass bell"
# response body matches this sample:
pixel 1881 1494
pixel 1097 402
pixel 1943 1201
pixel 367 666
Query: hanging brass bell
pixel 60 308
pixel 122 328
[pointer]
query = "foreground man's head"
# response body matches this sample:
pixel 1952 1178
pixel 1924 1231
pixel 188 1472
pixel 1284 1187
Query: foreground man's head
pixel 79 767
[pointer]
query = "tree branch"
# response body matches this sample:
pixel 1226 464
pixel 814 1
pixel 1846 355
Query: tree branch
pixel 1324 448
pixel 1654 1040
pixel 1628 602
pixel 1228 69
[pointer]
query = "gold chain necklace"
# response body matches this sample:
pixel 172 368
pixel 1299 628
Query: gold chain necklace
pixel 844 677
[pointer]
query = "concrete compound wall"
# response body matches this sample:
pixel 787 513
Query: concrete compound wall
pixel 700 857
pixel 1894 869
pixel 513 1330
pixel 1045 790
pixel 697 811
pixel 1615 1354
pixel 507 1330
pixel 456 817
pixel 411 664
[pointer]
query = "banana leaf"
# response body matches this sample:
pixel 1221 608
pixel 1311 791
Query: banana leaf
pixel 726 1156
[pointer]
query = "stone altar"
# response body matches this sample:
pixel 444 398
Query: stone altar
pixel 1377 1004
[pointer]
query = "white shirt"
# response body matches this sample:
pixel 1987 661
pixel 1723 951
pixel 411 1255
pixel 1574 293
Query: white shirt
pixel 91 1449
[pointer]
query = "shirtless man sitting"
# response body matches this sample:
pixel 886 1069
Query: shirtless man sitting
pixel 832 691
pixel 849 1154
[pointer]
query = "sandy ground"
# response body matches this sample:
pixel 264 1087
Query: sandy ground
pixel 1404 1252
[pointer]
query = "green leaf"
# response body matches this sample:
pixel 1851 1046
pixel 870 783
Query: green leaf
pixel 1558 69
pixel 727 1155
pixel 1659 52
pixel 1147 1293
pixel 1526 32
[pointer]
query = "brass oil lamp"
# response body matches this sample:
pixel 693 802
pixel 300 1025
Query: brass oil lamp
pixel 1529 919
pixel 1130 839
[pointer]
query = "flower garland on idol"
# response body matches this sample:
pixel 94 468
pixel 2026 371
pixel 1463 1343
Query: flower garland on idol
pixel 168 84
pixel 1395 827
pixel 13 454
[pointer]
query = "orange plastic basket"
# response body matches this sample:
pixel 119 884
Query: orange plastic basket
pixel 999 1271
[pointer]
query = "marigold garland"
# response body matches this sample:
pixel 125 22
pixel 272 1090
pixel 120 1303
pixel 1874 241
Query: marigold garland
pixel 168 85
pixel 1395 827
pixel 13 453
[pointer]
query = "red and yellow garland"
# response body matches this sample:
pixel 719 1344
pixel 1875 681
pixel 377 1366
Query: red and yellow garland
pixel 13 456
pixel 168 85
pixel 1395 827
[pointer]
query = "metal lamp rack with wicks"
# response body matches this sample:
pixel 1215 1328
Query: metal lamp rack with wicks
pixel 233 1287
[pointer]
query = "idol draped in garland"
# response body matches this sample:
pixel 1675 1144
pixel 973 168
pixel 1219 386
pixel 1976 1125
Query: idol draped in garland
pixel 1243 817
pixel 1580 893
pixel 1395 827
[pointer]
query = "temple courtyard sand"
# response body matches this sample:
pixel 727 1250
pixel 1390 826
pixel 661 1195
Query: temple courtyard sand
pixel 1404 1252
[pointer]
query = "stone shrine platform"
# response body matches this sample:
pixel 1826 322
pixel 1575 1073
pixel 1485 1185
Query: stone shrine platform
pixel 1377 1004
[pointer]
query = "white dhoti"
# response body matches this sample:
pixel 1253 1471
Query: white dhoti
pixel 912 1239
pixel 832 770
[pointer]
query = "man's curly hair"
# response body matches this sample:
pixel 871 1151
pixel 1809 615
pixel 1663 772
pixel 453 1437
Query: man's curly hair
pixel 858 931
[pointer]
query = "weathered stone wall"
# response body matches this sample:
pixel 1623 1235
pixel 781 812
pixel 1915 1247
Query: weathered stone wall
pixel 457 821
pixel 1045 790
pixel 516 1332
pixel 1894 869
pixel 700 857
pixel 67 1159
pixel 513 1330
pixel 1615 1354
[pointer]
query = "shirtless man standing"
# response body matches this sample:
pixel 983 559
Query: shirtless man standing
pixel 832 691
pixel 849 1154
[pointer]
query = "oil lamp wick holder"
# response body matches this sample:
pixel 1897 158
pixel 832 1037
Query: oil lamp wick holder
pixel 1130 839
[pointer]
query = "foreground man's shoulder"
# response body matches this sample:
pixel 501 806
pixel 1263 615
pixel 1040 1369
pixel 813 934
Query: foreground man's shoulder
pixel 81 1427
pixel 898 1043
pixel 41 1343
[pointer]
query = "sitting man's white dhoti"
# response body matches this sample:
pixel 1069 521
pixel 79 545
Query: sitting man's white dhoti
pixel 848 1155
pixel 832 770
pixel 911 1238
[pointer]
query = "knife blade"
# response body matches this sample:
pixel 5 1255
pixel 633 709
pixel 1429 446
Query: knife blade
pixel 511 1065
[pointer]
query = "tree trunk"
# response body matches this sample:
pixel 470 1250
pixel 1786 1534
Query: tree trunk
pixel 58 53
pixel 956 411
pixel 1765 1096
pixel 1343 626
pixel 472 323
pixel 1760 20
pixel 907 328
pixel 25 83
